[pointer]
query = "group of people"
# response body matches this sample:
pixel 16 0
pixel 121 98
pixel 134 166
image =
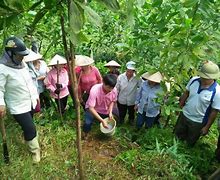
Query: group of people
pixel 24 77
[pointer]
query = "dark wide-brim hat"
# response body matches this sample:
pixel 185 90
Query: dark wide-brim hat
pixel 16 46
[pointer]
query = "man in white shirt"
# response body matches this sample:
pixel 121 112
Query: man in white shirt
pixel 18 92
pixel 127 85
pixel 200 103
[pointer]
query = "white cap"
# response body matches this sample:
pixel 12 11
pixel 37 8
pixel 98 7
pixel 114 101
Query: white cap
pixel 131 65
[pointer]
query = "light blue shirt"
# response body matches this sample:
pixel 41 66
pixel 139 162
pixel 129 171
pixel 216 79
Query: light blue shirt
pixel 146 99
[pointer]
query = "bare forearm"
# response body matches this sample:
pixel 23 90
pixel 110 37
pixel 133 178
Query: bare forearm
pixel 183 98
pixel 111 107
pixel 212 117
pixel 95 114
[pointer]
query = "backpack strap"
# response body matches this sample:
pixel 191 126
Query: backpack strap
pixel 197 79
pixel 208 111
pixel 211 88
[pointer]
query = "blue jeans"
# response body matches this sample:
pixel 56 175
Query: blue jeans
pixel 89 118
pixel 142 118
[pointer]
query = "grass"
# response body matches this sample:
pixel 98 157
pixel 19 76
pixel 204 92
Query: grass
pixel 149 154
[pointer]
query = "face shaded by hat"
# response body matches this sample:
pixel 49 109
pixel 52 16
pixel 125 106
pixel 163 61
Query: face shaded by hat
pixel 57 59
pixel 156 77
pixel 112 63
pixel 209 70
pixel 32 56
pixel 131 65
pixel 82 60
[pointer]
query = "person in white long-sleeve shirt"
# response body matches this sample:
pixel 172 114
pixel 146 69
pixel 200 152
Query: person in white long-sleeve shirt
pixel 127 85
pixel 18 93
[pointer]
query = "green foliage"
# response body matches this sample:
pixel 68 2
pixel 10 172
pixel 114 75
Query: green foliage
pixel 160 155
pixel 170 36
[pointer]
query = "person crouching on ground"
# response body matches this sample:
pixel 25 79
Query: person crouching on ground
pixel 200 103
pixel 145 103
pixel 18 92
pixel 57 82
pixel 100 103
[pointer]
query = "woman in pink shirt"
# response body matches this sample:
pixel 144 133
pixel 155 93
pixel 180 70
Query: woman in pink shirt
pixel 58 85
pixel 88 76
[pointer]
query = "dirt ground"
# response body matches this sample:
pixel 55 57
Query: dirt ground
pixel 101 148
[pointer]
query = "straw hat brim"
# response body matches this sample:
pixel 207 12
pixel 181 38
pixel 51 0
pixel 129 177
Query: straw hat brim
pixel 156 77
pixel 57 59
pixel 209 76
pixel 32 56
pixel 82 60
pixel 112 63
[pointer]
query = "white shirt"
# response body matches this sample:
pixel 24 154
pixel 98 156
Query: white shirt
pixel 197 103
pixel 127 89
pixel 17 90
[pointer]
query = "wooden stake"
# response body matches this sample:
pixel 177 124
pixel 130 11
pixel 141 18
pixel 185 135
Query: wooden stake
pixel 58 81
pixel 71 66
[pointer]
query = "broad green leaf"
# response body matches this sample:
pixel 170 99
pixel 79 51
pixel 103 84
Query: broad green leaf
pixel 189 3
pixel 14 4
pixel 50 3
pixel 76 17
pixel 111 4
pixel 157 3
pixel 9 21
pixel 130 12
pixel 77 38
pixel 140 3
pixel 92 16
pixel 175 31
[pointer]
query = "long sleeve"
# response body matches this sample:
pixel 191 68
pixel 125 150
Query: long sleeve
pixel 138 96
pixel 2 87
pixel 48 82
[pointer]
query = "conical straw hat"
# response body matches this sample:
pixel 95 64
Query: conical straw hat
pixel 112 63
pixel 32 56
pixel 156 77
pixel 82 60
pixel 57 58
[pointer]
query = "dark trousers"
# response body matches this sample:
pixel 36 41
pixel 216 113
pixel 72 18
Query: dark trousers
pixel 217 151
pixel 45 100
pixel 188 130
pixel 25 120
pixel 143 119
pixel 123 111
pixel 71 92
pixel 89 118
pixel 63 102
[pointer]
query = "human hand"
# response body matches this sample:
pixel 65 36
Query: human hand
pixel 57 91
pixel 105 124
pixel 135 107
pixel 2 111
pixel 204 131
pixel 59 86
